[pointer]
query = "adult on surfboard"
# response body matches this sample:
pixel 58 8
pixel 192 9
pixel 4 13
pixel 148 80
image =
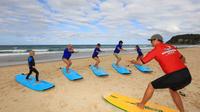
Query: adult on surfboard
pixel 172 63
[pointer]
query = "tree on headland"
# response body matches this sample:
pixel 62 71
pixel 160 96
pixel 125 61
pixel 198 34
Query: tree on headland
pixel 185 39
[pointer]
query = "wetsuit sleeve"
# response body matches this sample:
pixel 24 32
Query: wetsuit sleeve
pixel 150 55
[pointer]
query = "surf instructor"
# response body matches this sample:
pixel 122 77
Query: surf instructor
pixel 177 75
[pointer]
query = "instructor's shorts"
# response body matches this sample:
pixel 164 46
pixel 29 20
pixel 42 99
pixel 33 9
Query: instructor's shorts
pixel 175 80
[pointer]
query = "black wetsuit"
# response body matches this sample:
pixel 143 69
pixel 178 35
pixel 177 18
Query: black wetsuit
pixel 31 63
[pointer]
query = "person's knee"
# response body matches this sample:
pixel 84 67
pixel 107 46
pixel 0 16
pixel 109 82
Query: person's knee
pixel 172 91
pixel 36 72
pixel 150 86
pixel 70 63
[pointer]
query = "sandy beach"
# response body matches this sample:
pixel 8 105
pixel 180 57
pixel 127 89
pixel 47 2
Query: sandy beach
pixel 86 95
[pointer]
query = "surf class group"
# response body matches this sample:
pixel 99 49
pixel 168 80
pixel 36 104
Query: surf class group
pixel 170 59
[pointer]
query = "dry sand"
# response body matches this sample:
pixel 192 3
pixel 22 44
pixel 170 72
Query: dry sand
pixel 86 95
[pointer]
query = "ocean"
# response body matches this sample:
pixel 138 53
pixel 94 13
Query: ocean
pixel 17 54
pixel 6 50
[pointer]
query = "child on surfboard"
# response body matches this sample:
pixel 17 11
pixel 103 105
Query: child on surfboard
pixel 31 64
pixel 117 50
pixel 66 56
pixel 95 54
pixel 139 52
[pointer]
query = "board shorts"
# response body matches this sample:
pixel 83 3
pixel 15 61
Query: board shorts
pixel 117 55
pixel 95 56
pixel 140 54
pixel 67 58
pixel 175 80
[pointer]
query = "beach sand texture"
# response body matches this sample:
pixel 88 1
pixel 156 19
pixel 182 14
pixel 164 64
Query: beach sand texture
pixel 86 95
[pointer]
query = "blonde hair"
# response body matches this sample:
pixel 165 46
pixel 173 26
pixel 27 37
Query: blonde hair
pixel 31 53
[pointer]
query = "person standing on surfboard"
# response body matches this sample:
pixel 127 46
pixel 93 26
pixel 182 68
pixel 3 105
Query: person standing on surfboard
pixel 66 56
pixel 31 64
pixel 172 63
pixel 139 52
pixel 95 54
pixel 117 50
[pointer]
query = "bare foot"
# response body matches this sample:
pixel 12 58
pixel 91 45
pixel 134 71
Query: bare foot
pixel 96 66
pixel 141 106
pixel 67 71
pixel 38 82
pixel 28 79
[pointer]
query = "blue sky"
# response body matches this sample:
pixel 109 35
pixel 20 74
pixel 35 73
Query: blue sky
pixel 95 21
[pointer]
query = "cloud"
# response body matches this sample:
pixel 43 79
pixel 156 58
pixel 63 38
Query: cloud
pixel 92 21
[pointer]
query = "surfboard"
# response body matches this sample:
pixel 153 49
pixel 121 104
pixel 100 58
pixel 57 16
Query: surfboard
pixel 32 84
pixel 72 75
pixel 143 68
pixel 130 104
pixel 98 71
pixel 121 69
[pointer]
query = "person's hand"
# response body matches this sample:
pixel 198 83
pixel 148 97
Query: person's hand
pixel 75 51
pixel 123 50
pixel 133 61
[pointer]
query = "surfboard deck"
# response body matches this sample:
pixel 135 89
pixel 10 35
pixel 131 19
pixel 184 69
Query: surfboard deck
pixel 121 69
pixel 143 68
pixel 32 84
pixel 130 104
pixel 98 71
pixel 72 75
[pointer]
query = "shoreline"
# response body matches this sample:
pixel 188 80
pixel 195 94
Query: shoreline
pixel 14 60
pixel 40 58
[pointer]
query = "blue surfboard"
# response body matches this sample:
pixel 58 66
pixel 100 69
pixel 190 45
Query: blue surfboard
pixel 121 69
pixel 98 71
pixel 143 68
pixel 32 84
pixel 72 75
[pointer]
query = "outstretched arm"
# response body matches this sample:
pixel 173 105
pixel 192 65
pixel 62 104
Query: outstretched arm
pixel 121 49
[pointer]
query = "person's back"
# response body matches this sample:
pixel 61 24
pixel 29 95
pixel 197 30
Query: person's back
pixel 139 52
pixel 167 56
pixel 66 54
pixel 96 52
pixel 119 46
pixel 31 61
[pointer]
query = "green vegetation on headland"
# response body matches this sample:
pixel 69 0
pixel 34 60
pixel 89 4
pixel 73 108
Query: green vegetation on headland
pixel 185 39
